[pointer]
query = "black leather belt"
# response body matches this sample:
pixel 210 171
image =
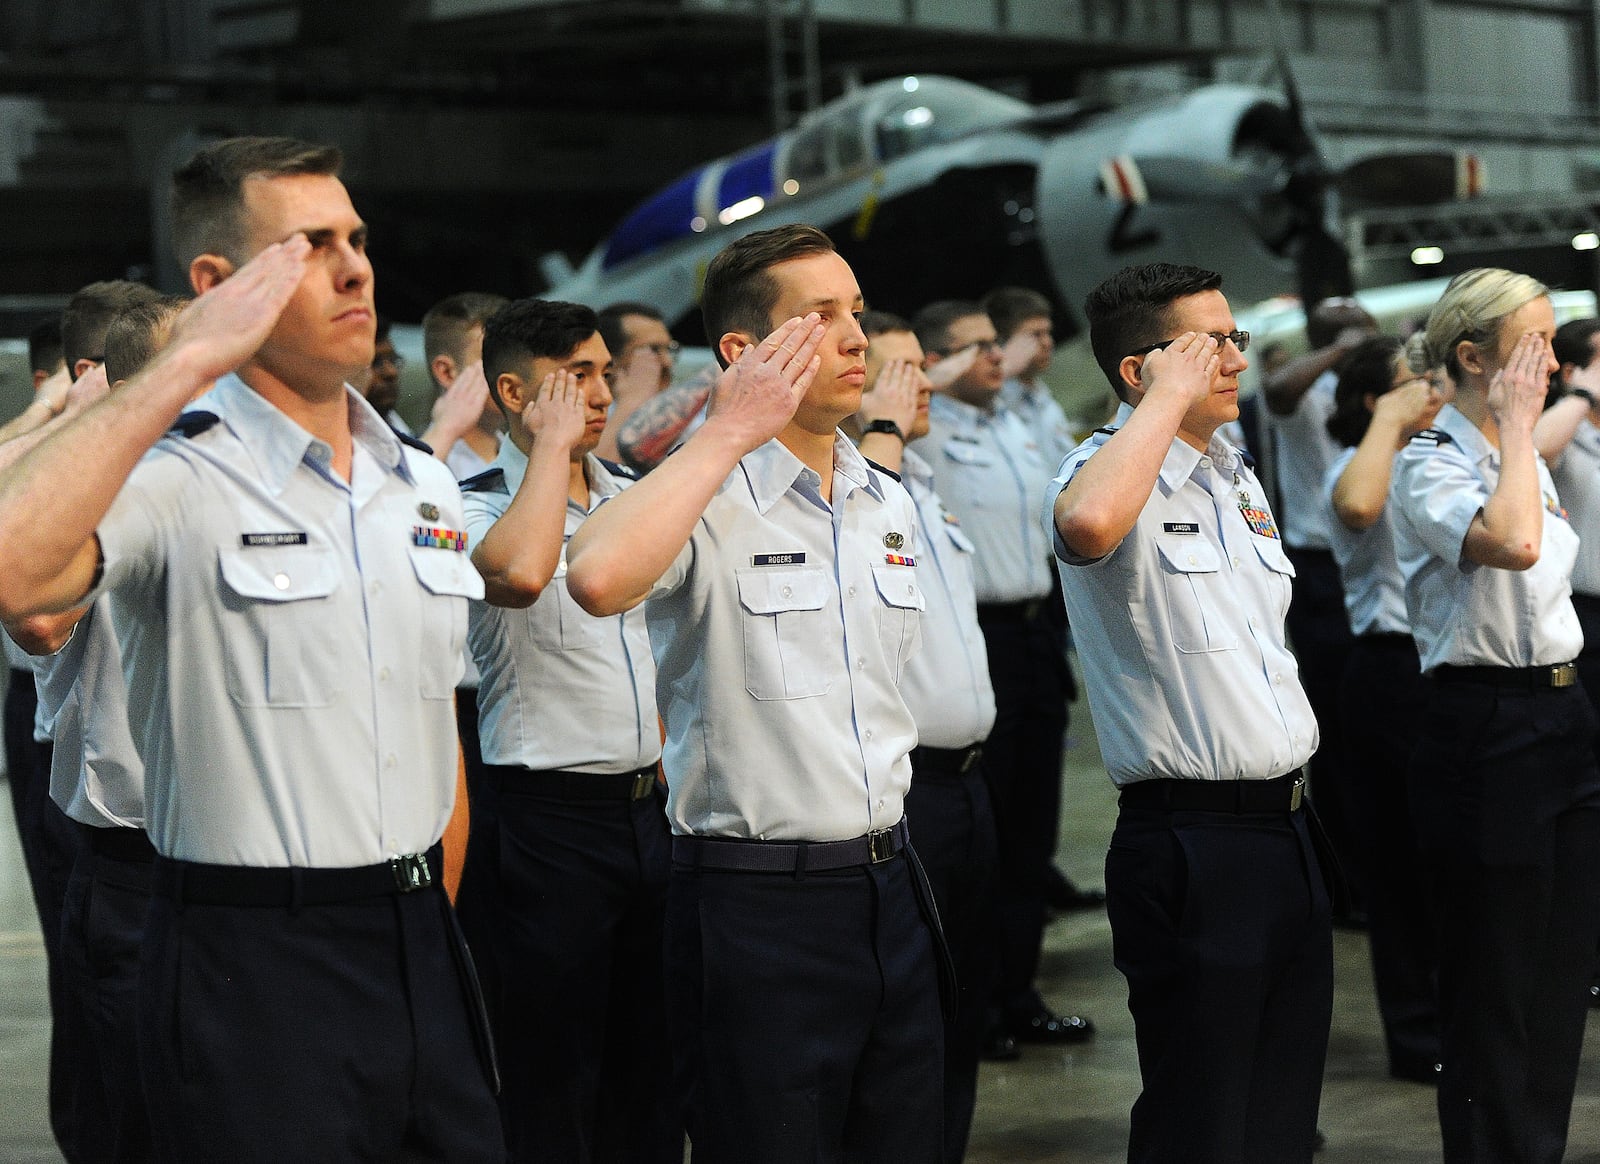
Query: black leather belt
pixel 1280 794
pixel 945 761
pixel 1544 678
pixel 119 843
pixel 1393 639
pixel 197 884
pixel 561 785
pixel 790 856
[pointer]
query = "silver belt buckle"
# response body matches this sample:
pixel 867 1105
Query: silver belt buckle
pixel 1563 674
pixel 1297 793
pixel 880 845
pixel 411 872
pixel 644 783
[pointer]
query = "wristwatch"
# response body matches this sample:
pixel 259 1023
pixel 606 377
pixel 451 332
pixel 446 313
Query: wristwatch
pixel 884 424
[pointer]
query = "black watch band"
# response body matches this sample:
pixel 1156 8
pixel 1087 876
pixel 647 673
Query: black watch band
pixel 884 424
pixel 1582 394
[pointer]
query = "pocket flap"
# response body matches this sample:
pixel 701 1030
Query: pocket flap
pixel 1273 556
pixel 961 541
pixel 968 453
pixel 280 573
pixel 764 590
pixel 446 572
pixel 1189 555
pixel 897 585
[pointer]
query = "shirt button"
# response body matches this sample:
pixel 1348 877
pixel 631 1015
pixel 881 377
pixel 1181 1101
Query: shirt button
pixel 852 592
pixel 377 587
pixel 861 662
pixel 1193 561
pixel 787 591
pixel 383 675
pixel 281 581
pixel 867 735
pixel 1236 560
pixel 1278 679
pixel 390 761
pixel 911 589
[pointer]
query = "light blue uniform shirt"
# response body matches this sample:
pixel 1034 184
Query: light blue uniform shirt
pixel 291 652
pixel 992 474
pixel 21 661
pixel 1576 475
pixel 781 634
pixel 1041 414
pixel 1374 590
pixel 946 684
pixel 96 775
pixel 561 689
pixel 1180 628
pixel 1302 451
pixel 1461 613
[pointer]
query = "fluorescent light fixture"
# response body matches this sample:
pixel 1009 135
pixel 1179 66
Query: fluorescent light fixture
pixel 791 187
pixel 910 84
pixel 1587 241
pixel 743 208
pixel 921 115
pixel 697 224
pixel 1427 256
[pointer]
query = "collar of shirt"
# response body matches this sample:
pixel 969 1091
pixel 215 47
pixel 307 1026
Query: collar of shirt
pixel 959 414
pixel 278 444
pixel 1182 458
pixel 513 462
pixel 1466 435
pixel 914 468
pixel 772 470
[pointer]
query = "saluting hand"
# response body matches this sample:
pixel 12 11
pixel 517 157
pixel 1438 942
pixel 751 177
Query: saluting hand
pixel 557 414
pixel 1188 366
pixel 756 396
pixel 225 326
pixel 1516 394
pixel 1018 352
pixel 947 371
pixel 893 396
pixel 459 406
pixel 1411 407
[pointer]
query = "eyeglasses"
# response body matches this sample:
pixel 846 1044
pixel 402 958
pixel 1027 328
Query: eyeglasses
pixel 666 351
pixel 992 346
pixel 1239 339
pixel 394 358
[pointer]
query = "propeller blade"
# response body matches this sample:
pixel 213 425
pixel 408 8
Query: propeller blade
pixel 1421 178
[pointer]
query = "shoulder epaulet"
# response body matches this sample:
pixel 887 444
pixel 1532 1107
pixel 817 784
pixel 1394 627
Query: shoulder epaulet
pixel 1434 436
pixel 618 469
pixel 191 424
pixel 886 472
pixel 488 481
pixel 407 439
pixel 1108 431
pixel 1249 461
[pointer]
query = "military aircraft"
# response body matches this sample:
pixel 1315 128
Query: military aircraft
pixel 936 188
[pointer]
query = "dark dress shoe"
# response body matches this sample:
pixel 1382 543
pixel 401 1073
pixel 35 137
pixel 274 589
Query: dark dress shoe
pixel 1045 1026
pixel 1000 1047
pixel 1061 895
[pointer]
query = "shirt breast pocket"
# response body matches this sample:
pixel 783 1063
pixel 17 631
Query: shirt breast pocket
pixel 1280 571
pixel 1191 570
pixel 556 622
pixel 280 652
pixel 448 579
pixel 899 615
pixel 788 636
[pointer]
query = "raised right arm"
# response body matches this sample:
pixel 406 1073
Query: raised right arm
pixel 53 498
pixel 626 545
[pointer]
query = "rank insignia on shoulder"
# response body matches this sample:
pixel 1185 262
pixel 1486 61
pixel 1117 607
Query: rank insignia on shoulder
pixel 429 511
pixel 439 539
pixel 899 560
pixel 1433 436
pixel 894 541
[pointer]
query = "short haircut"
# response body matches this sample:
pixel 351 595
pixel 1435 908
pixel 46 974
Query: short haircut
pixel 1474 305
pixel 740 290
pixel 1573 341
pixel 1366 369
pixel 932 323
pixel 1008 308
pixel 89 313
pixel 138 333
pixel 1133 308
pixel 878 322
pixel 208 189
pixel 532 329
pixel 1329 317
pixel 447 322
pixel 612 328
pixel 44 347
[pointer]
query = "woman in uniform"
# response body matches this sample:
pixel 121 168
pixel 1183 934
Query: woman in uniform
pixel 1503 776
